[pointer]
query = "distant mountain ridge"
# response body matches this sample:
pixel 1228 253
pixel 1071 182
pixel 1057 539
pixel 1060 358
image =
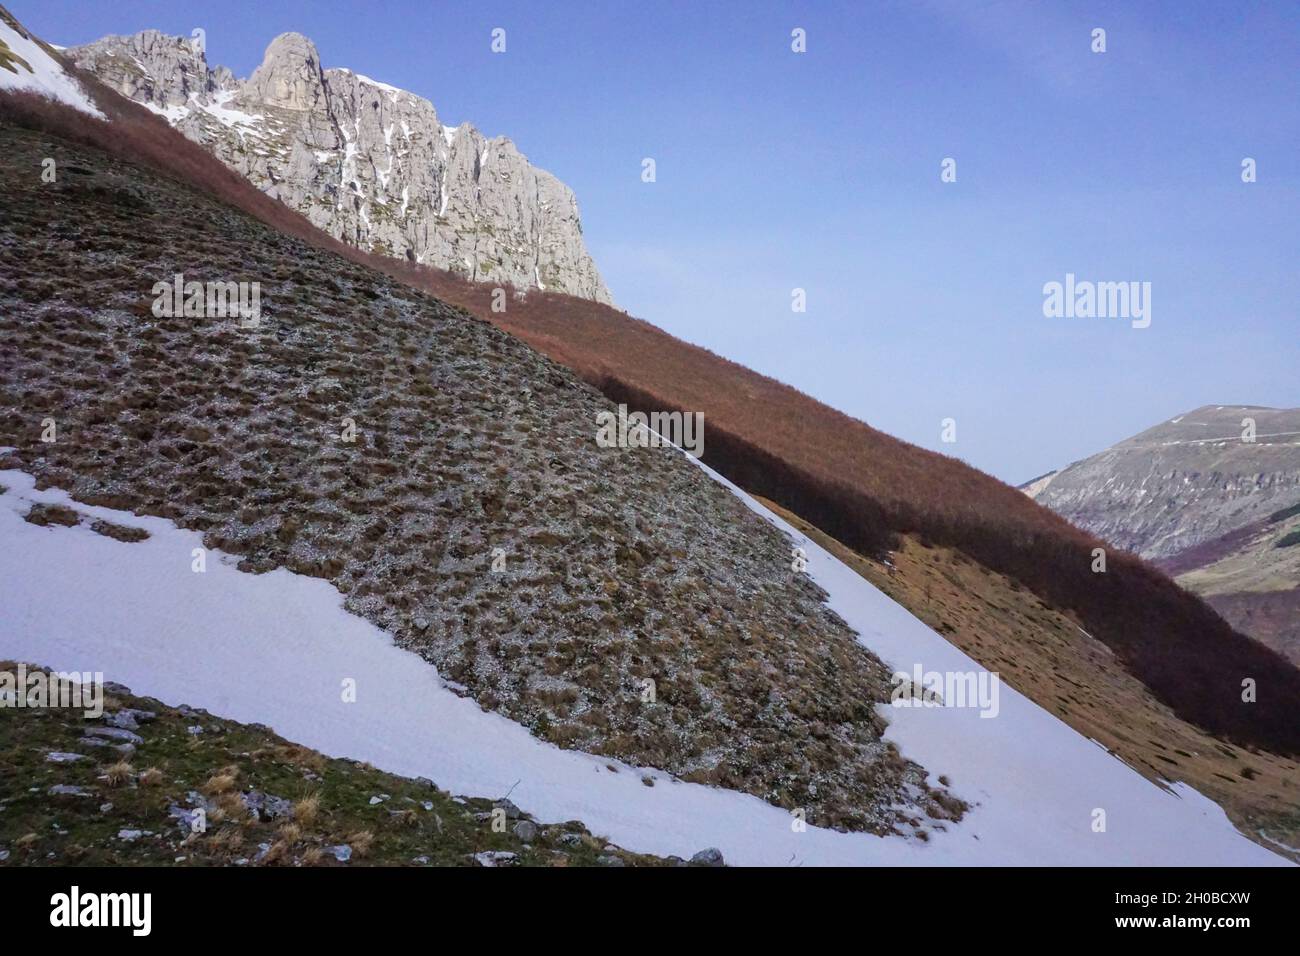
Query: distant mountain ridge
pixel 368 163
pixel 1183 482
pixel 1218 513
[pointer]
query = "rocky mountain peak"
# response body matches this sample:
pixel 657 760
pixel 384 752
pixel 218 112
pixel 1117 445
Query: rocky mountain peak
pixel 157 70
pixel 290 75
pixel 367 162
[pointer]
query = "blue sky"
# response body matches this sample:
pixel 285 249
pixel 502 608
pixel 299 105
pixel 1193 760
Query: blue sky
pixel 820 170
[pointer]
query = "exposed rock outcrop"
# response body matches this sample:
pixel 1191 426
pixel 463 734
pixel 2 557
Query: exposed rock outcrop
pixel 364 161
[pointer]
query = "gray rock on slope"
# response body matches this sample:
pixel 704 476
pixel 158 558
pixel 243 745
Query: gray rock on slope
pixel 366 162
pixel 154 69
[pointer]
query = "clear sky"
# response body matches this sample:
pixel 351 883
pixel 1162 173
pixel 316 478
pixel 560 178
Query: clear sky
pixel 821 170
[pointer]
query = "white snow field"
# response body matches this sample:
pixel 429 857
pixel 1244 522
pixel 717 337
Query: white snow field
pixel 275 649
pixel 45 76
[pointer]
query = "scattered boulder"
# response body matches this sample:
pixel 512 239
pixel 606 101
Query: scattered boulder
pixel 526 830
pixel 129 718
pixel 266 807
pixel 709 857
pixel 115 733
pixel 56 756
pixel 68 790
pixel 186 818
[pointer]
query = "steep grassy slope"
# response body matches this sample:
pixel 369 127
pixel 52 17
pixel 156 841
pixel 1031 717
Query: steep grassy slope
pixel 614 600
pixel 1272 617
pixel 265 801
pixel 857 483
pixel 1046 656
pixel 1251 576
pixel 865 488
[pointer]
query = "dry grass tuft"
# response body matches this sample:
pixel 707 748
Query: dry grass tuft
pixel 118 774
pixel 223 781
pixel 225 840
pixel 361 842
pixel 407 818
pixel 306 810
pixel 313 856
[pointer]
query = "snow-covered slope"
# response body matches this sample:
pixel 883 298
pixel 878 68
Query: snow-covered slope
pixel 277 649
pixel 24 65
